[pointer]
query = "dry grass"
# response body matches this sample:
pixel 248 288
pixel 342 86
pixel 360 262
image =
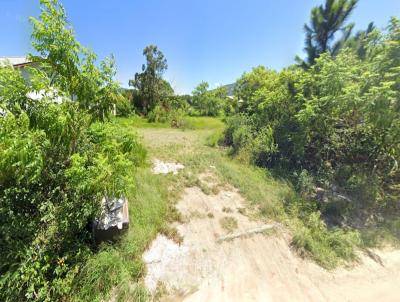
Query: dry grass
pixel 152 198
pixel 228 223
pixel 227 210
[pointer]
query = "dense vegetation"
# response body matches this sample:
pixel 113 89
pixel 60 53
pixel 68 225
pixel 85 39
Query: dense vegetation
pixel 205 102
pixel 57 161
pixel 327 127
pixel 331 127
pixel 153 97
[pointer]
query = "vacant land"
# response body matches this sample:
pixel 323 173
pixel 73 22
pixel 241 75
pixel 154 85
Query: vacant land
pixel 214 196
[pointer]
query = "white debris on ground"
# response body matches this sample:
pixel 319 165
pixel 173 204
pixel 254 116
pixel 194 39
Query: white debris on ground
pixel 113 214
pixel 161 253
pixel 160 167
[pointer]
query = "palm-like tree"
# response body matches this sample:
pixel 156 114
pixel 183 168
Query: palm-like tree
pixel 326 20
pixel 359 41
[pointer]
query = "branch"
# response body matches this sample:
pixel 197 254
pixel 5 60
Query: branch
pixel 248 232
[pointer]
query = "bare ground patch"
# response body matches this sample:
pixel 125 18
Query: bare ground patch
pixel 160 167
pixel 256 267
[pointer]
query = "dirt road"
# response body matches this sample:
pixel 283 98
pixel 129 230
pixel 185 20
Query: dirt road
pixel 260 267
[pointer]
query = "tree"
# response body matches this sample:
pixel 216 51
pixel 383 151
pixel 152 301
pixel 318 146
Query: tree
pixel 339 119
pixel 55 167
pixel 200 90
pixel 56 164
pixel 208 102
pixel 70 66
pixel 150 85
pixel 325 22
pixel 360 41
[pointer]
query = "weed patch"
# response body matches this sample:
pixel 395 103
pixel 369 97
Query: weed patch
pixel 116 271
pixel 228 223
pixel 327 247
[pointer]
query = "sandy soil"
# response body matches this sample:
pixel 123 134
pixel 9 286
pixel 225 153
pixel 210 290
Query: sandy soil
pixel 260 267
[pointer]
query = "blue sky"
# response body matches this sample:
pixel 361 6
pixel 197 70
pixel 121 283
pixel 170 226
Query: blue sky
pixel 211 40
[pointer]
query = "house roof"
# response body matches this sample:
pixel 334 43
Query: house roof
pixel 14 61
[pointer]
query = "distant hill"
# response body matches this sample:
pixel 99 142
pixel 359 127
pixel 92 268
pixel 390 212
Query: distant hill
pixel 230 88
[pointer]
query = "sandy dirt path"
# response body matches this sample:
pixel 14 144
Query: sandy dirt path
pixel 260 267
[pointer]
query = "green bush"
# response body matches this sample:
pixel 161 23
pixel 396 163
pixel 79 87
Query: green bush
pixel 241 138
pixel 327 247
pixel 54 164
pixel 207 102
pixel 363 187
pixel 158 115
pixel 175 117
pixel 215 139
pixel 264 147
pixel 232 124
pixel 305 182
pixel 327 120
pixel 123 107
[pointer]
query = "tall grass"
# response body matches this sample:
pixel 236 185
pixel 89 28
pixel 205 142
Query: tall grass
pixel 117 271
pixel 189 122
pixel 203 122
pixel 274 199
pixel 138 122
pixel 277 200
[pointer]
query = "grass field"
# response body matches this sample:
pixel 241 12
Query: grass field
pixel 193 123
pixel 117 271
